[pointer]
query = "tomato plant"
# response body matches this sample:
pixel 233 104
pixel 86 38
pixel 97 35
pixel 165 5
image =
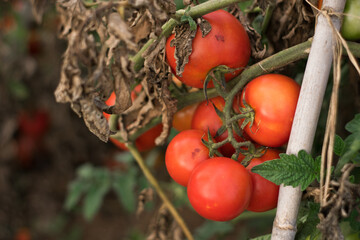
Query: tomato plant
pixel 183 153
pixel 273 98
pixel 144 142
pixel 205 118
pixel 219 189
pixel 265 193
pixel 182 118
pixel 350 29
pixel 227 36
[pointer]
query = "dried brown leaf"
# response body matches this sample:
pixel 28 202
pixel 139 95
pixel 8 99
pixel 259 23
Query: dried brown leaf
pixel 160 228
pixel 142 24
pixel 292 22
pixel 94 119
pixel 118 28
pixel 342 200
pixel 204 26
pixel 183 46
pixel 146 195
pixel 160 9
pixel 38 9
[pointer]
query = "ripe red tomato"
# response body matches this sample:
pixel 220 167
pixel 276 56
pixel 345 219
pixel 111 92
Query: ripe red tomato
pixel 205 118
pixel 182 118
pixel 273 97
pixel 265 193
pixel 183 153
pixel 219 189
pixel 226 44
pixel 144 142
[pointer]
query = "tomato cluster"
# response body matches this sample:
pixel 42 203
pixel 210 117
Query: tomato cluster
pixel 220 188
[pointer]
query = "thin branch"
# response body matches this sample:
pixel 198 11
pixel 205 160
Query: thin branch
pixel 159 191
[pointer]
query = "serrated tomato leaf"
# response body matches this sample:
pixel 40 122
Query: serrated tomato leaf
pixel 351 145
pixel 290 170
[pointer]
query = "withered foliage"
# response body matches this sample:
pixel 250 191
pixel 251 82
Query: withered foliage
pixel 258 50
pixel 146 195
pixel 343 199
pixel 292 22
pixel 39 7
pixel 163 226
pixel 100 39
pixel 182 42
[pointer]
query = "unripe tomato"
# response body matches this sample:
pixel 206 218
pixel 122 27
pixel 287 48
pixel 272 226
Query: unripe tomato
pixel 273 97
pixel 183 153
pixel 205 118
pixel 350 29
pixel 144 142
pixel 182 118
pixel 219 189
pixel 265 193
pixel 226 44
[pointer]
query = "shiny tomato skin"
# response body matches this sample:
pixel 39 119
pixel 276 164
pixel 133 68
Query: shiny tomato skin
pixel 219 189
pixel 182 118
pixel 273 98
pixel 183 153
pixel 226 44
pixel 205 118
pixel 144 142
pixel 265 193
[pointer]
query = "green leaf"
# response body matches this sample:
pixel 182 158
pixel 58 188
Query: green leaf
pixel 211 228
pixel 264 237
pixel 351 149
pixel 76 189
pixel 339 145
pixel 354 125
pixel 290 170
pixel 189 19
pixel 95 195
pixel 307 221
pixel 85 171
pixel 123 185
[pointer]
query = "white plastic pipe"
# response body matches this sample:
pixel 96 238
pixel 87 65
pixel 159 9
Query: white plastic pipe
pixel 306 116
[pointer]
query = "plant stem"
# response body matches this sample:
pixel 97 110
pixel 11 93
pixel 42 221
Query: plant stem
pixel 159 191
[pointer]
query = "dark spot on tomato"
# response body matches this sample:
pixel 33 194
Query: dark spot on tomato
pixel 220 38
pixel 196 150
